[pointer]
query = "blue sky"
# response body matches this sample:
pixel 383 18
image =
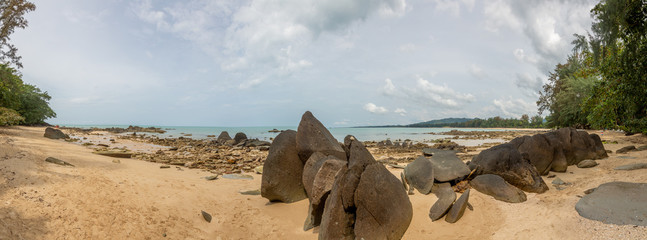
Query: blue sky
pixel 265 62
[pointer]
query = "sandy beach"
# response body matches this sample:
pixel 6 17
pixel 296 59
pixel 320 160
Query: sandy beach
pixel 100 198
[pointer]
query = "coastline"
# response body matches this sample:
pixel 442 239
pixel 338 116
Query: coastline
pixel 100 198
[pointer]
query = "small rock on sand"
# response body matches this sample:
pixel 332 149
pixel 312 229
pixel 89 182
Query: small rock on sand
pixel 165 166
pixel 206 216
pixel 558 181
pixel 58 161
pixel 631 166
pixel 250 192
pixel 587 164
pixel 212 177
pixel 238 176
pixel 626 149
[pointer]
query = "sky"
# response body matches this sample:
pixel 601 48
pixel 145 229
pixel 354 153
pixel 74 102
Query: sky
pixel 265 62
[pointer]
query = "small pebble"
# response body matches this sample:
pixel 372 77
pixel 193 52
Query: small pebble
pixel 206 216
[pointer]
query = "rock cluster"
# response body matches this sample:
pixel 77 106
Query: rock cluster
pixel 397 144
pixel 521 161
pixel 351 195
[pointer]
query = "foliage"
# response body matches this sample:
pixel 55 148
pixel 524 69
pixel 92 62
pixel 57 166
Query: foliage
pixel 11 17
pixel 603 84
pixel 27 100
pixel 9 117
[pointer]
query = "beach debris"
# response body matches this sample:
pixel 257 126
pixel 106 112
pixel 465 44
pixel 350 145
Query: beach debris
pixel 446 197
pixel 53 133
pixel 103 145
pixel 258 169
pixel 117 154
pixel 447 167
pixel 587 164
pixel 506 161
pixel 283 170
pixel 206 216
pixel 238 176
pixel 457 210
pixel 558 181
pixel 629 167
pixel 621 203
pixel 250 192
pixel 498 188
pixel 626 149
pixel 212 177
pixel 116 161
pixel 58 161
pixel 396 166
pixel 420 174
pixel 165 166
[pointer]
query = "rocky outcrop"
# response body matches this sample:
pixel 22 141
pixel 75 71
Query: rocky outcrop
pixel 223 137
pixel 498 188
pixel 621 203
pixel 240 137
pixel 313 137
pixel 419 174
pixel 506 161
pixel 283 170
pixel 447 166
pixel 53 133
pixel 366 201
pixel 318 177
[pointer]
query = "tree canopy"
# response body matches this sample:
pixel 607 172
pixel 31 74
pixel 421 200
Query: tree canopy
pixel 603 84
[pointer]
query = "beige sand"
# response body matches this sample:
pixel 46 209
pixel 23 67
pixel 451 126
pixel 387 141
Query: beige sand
pixel 133 199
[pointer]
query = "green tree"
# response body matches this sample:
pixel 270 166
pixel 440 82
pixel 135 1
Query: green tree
pixel 27 100
pixel 11 17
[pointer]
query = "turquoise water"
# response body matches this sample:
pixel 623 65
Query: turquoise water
pixel 363 134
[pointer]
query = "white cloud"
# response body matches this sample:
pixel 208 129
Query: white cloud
pixel 427 93
pixel 375 109
pixel 477 71
pixel 409 47
pixel 401 111
pixel 250 83
pixel 515 107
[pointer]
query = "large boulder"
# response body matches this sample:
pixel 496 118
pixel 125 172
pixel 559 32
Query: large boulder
pixel 446 197
pixel 599 147
pixel 321 187
pixel 559 163
pixel 498 188
pixel 313 137
pixel 240 137
pixel 282 170
pixel 447 166
pixel 337 222
pixel 54 133
pixel 311 168
pixel 506 161
pixel 540 151
pixel 419 174
pixel 383 209
pixel 223 137
pixel 621 203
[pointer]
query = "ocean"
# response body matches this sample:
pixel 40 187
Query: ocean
pixel 262 133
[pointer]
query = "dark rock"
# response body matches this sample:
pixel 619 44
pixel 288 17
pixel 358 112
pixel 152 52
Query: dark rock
pixel 584 146
pixel 240 137
pixel 206 216
pixel 457 210
pixel 165 166
pixel 587 164
pixel 447 166
pixel 388 143
pixel 631 166
pixel 559 163
pixel 428 152
pixel 641 148
pixel 446 197
pixel 589 191
pixel 223 137
pixel 313 137
pixel 506 161
pixel 383 209
pixel 283 170
pixel 599 147
pixel 420 174
pixel 337 222
pixel 311 168
pixel 58 161
pixel 621 203
pixel 498 188
pixel 55 133
pixel 117 154
pixel 541 151
pixel 321 187
pixel 626 149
